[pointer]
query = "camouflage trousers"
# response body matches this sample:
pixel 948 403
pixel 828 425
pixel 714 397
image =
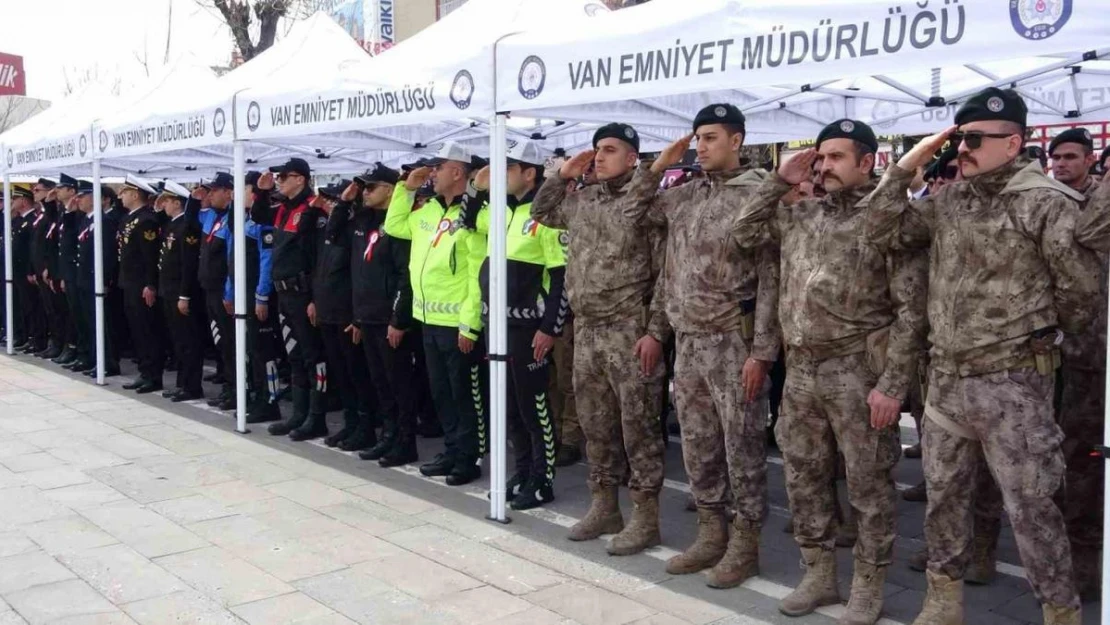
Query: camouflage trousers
pixel 825 409
pixel 561 390
pixel 724 438
pixel 1009 417
pixel 618 406
pixel 1081 419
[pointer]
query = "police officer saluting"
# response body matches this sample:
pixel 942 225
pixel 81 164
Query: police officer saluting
pixel 295 222
pixel 177 275
pixel 138 280
pixel 538 310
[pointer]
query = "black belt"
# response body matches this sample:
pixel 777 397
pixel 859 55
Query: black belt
pixel 296 284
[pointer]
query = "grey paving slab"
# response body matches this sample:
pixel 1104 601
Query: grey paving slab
pixel 418 576
pixel 590 605
pixel 144 530
pixel 47 603
pixel 292 609
pixel 481 605
pixel 191 509
pixel 188 606
pixel 223 576
pixel 30 569
pixel 68 534
pixel 121 574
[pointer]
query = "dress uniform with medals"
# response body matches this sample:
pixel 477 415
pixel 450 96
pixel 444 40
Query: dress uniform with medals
pixel 27 299
pixel 85 283
pixel 178 286
pixel 138 280
pixel 66 278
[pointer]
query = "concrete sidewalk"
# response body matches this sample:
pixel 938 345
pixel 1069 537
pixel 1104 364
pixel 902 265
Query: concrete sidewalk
pixel 116 509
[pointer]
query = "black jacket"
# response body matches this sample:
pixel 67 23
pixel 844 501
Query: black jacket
pixel 138 249
pixel 295 238
pixel 22 234
pixel 44 241
pixel 178 258
pixel 331 278
pixel 382 292
pixel 213 267
pixel 67 244
pixel 86 240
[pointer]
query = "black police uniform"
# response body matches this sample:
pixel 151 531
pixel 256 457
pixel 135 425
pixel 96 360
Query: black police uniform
pixel 212 276
pixel 86 291
pixel 138 270
pixel 294 258
pixel 67 276
pixel 382 297
pixel 44 260
pixel 347 369
pixel 177 282
pixel 28 302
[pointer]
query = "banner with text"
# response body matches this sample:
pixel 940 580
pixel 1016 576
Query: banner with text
pixel 49 155
pixel 669 47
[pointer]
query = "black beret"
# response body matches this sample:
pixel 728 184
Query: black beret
pixel 293 166
pixel 1082 136
pixel 252 178
pixel 47 183
pixel 378 174
pixel 65 181
pixel 993 104
pixel 719 114
pixel 223 180
pixel 849 129
pixel 623 132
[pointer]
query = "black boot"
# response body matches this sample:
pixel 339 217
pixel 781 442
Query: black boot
pixel 364 435
pixel 350 424
pixel 68 355
pixel 403 450
pixel 534 494
pixel 226 393
pixel 261 410
pixel 299 416
pixel 386 443
pixel 51 350
pixel 315 426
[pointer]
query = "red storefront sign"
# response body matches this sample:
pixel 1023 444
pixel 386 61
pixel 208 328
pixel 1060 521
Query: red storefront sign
pixel 12 80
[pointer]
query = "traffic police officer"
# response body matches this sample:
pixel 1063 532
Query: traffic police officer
pixel 441 278
pixel 538 310
pixel 213 275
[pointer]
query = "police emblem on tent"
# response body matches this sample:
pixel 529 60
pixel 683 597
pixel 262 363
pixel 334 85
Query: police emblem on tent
pixel 462 90
pixel 83 145
pixel 1039 19
pixel 218 122
pixel 254 116
pixel 532 78
pixel 103 141
pixel 11 158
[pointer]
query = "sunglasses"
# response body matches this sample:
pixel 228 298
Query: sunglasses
pixel 974 140
pixel 283 177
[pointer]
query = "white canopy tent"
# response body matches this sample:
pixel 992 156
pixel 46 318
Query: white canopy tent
pixel 663 60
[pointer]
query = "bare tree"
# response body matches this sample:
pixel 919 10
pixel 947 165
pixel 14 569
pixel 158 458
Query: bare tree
pixel 14 110
pixel 76 79
pixel 244 17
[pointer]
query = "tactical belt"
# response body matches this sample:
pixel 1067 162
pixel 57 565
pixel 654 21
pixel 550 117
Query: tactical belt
pixel 950 426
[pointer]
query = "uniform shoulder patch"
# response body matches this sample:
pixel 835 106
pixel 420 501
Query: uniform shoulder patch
pixel 268 239
pixel 191 240
pixel 150 235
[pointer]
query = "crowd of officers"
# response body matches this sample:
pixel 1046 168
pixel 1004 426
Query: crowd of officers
pixel 978 292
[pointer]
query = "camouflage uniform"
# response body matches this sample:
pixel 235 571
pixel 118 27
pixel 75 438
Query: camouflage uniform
pixel 561 390
pixel 1082 407
pixel 706 278
pixel 1004 264
pixel 853 320
pixel 610 280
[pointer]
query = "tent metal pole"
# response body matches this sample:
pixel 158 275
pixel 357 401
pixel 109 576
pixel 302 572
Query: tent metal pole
pixel 9 294
pixel 240 253
pixel 98 272
pixel 498 320
pixel 894 84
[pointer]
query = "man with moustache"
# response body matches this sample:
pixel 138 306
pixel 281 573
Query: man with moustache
pixel 853 319
pixel 1006 282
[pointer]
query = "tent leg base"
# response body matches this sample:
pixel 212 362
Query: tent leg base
pixel 504 521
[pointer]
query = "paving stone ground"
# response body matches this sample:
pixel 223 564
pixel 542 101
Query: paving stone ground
pixel 121 509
